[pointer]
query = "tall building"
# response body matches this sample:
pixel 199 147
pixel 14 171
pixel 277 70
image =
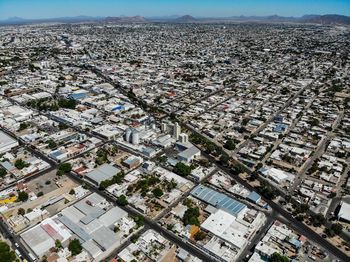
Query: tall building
pixel 164 127
pixel 176 131
pixel 183 138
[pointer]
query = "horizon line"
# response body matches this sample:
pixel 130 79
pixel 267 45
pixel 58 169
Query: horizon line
pixel 167 16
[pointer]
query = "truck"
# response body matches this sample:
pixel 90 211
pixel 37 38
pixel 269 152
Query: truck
pixel 32 257
pixel 18 253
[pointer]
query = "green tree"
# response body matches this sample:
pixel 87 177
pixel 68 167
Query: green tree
pixel 182 169
pixel 67 103
pixel 276 257
pixel 64 168
pixel 58 244
pixel 134 238
pixel 230 144
pixel 74 246
pixel 224 160
pixel 22 196
pixel 337 228
pixel 117 179
pixel 20 164
pixel 157 192
pixel 21 211
pixel 122 200
pixel 23 126
pixel 191 216
pixel 3 172
pixel 51 144
pixel 139 220
pixel 200 235
pixel 317 220
pixel 6 254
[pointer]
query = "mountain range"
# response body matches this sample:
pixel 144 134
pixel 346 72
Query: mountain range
pixel 333 19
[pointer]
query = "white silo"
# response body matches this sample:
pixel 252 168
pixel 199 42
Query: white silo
pixel 135 137
pixel 128 133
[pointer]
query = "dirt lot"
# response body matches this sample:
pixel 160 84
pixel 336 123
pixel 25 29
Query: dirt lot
pixel 57 187
pixel 45 183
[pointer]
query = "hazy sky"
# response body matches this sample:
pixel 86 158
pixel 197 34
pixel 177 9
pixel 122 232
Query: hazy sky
pixel 217 8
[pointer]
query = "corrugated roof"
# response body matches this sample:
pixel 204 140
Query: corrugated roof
pixel 89 210
pixel 190 152
pixel 253 196
pixel 74 228
pixel 104 237
pixel 92 248
pixel 112 216
pixel 218 199
pixel 102 173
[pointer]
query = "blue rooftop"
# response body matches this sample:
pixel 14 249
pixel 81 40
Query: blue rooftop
pixel 56 153
pixel 280 128
pixel 295 242
pixel 118 107
pixel 77 96
pixel 7 165
pixel 254 197
pixel 218 200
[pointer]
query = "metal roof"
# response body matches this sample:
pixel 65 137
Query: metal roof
pixel 253 196
pixel 190 152
pixel 102 173
pixel 88 210
pixel 104 237
pixel 112 216
pixel 218 200
pixel 74 228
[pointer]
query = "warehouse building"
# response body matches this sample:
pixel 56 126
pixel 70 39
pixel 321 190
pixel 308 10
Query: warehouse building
pixel 6 143
pixel 218 200
pixel 344 212
pixel 91 221
pixel 101 173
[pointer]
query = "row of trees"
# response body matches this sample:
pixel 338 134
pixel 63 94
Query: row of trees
pixel 210 147
pixel 20 164
pixel 6 254
pixel 64 168
pixel 117 179
pixel 182 169
pixel 191 215
pixel 49 104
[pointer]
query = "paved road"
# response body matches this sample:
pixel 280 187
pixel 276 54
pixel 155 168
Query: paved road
pixel 259 235
pixel 150 223
pixel 268 121
pixel 14 239
pixel 321 148
pixel 292 222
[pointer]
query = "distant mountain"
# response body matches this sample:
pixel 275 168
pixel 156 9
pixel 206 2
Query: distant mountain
pixel 126 19
pixel 185 19
pixel 163 17
pixel 74 19
pixel 278 18
pixel 15 19
pixel 326 19
pixel 331 19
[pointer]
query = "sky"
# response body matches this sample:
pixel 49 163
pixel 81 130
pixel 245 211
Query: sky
pixel 149 8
